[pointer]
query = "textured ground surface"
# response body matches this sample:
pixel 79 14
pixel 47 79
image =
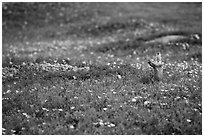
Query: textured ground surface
pixel 81 68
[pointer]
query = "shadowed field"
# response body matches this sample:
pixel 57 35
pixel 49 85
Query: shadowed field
pixel 81 68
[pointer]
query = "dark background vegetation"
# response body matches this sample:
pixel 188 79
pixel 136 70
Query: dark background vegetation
pixel 21 19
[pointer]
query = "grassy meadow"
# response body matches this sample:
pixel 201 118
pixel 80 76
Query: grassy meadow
pixel 81 69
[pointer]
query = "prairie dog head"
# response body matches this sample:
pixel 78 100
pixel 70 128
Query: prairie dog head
pixel 158 57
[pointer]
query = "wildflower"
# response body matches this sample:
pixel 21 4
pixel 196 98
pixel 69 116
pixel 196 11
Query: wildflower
pixel 45 109
pixel 195 36
pixel 26 115
pixel 8 91
pixel 147 103
pixel 134 100
pixel 176 98
pixel 13 130
pixel 138 97
pixel 18 91
pixel 101 122
pixel 119 76
pixel 105 109
pixel 23 63
pixel 188 120
pixel 71 126
pixel 74 77
pixel 111 125
pixel 5 98
pixel 186 101
pixel 72 107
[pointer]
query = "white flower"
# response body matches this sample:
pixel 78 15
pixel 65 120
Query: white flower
pixel 72 107
pixel 71 126
pixel 45 109
pixel 119 76
pixel 8 91
pixel 147 102
pixel 26 115
pixel 134 100
pixel 112 125
pixel 105 109
pixel 177 97
pixel 188 120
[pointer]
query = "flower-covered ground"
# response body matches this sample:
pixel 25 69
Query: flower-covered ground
pixel 81 68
